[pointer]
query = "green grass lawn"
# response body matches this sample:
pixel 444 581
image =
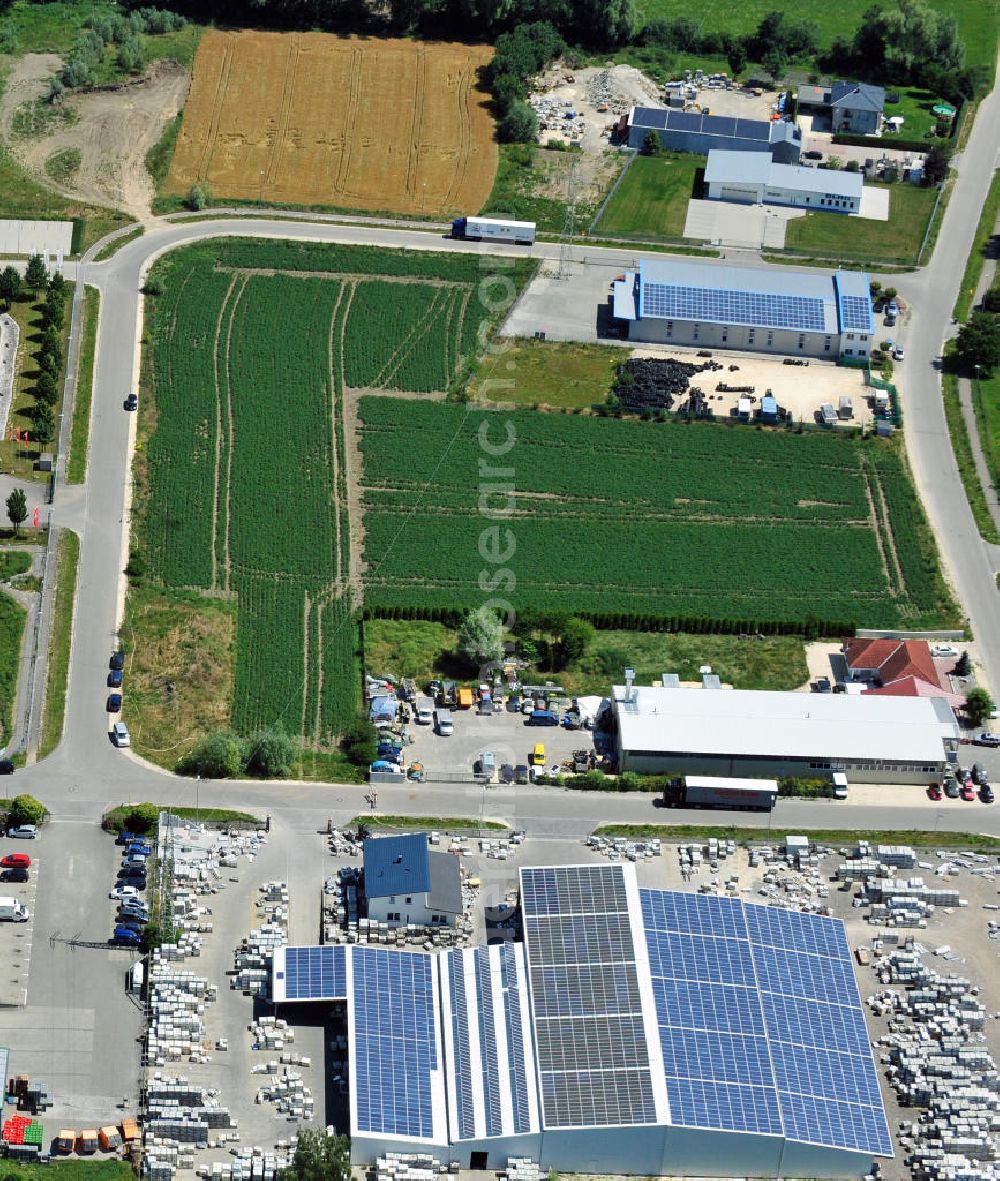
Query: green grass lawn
pixel 12 619
pixel 962 446
pixel 422 650
pixel 986 399
pixel 76 466
pixel 977 19
pixel 548 373
pixel 916 107
pixel 57 674
pixel 652 199
pixel 52 27
pixel 532 184
pixel 977 255
pixel 777 662
pixel 22 196
pixel 862 240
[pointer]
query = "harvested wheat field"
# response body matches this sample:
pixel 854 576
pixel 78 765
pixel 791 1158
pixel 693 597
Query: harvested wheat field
pixel 315 119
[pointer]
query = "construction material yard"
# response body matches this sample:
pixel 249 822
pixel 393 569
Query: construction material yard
pixel 315 119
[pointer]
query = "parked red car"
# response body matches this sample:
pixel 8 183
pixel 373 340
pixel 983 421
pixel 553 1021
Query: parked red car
pixel 968 794
pixel 934 792
pixel 16 861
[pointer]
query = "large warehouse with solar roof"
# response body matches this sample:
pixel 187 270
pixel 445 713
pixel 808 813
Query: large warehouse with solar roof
pixel 634 1031
pixel 757 309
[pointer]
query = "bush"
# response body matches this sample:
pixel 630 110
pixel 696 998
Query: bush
pixel 218 756
pixel 142 819
pixel 25 809
pixel 360 743
pixel 197 198
pixel 812 789
pixel 270 754
pixel 136 567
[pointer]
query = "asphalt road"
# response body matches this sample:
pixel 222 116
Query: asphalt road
pixel 86 772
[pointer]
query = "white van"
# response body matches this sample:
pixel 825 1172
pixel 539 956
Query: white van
pixel 425 711
pixel 120 735
pixel 839 786
pixel 12 911
pixel 443 722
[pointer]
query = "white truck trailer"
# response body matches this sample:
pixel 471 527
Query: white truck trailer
pixel 492 229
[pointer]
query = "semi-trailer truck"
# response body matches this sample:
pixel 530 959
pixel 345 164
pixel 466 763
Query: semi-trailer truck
pixel 706 791
pixel 493 229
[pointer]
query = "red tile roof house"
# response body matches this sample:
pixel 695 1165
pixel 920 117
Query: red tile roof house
pixel 885 661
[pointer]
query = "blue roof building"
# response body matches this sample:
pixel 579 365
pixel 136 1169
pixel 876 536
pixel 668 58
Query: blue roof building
pixel 824 314
pixel 688 131
pixel 406 883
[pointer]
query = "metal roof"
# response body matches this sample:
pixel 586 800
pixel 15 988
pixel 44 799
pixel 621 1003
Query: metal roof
pixel 725 167
pixel 670 289
pixel 748 723
pixel 723 126
pixel 397 865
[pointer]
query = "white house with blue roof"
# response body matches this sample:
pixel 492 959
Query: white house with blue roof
pixel 405 882
pixel 824 314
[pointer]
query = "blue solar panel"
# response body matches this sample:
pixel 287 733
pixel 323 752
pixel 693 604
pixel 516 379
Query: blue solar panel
pixel 760 1022
pixel 488 1043
pixel 754 129
pixel 719 125
pixel 316 973
pixel 683 121
pixel 590 1035
pixel 394 1045
pixel 857 312
pixel 515 1039
pixel 720 306
pixel 460 1038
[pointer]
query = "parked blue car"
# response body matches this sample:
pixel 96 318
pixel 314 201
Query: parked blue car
pixel 127 936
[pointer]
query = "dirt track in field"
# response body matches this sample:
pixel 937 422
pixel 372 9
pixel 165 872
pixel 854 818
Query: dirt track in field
pixel 315 119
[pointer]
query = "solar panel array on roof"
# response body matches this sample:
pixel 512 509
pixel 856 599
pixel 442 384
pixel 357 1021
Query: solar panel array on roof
pixel 593 1060
pixel 715 1050
pixel 857 312
pixel 316 973
pixel 719 125
pixel 754 129
pixel 515 1040
pixel 393 1049
pixel 760 1022
pixel 721 306
pixel 460 1050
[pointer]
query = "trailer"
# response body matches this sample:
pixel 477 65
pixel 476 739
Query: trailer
pixel 492 229
pixel 709 791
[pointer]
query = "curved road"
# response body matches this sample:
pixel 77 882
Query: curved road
pixel 86 772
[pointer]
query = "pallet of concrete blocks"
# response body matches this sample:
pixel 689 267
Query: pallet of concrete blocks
pixel 271 1033
pixel 274 892
pixel 407 1166
pixel 522 1168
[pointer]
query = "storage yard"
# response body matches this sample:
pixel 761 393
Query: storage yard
pixel 912 914
pixel 314 119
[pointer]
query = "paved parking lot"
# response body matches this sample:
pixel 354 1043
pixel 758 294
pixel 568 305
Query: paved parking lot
pixel 79 1030
pixel 16 939
pixel 505 734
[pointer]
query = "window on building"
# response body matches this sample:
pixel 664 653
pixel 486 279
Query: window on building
pixel 750 335
pixel 408 901
pixel 393 916
pixel 826 345
pixel 802 340
pixel 697 327
pixel 863 336
pixel 725 334
pixel 770 339
pixel 850 336
pixel 848 352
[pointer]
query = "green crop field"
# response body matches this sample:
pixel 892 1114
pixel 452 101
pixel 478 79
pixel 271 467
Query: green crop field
pixel 673 521
pixel 243 472
pixel 977 19
pixel 652 199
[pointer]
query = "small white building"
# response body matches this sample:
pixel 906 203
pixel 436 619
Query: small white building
pixel 753 178
pixel 406 883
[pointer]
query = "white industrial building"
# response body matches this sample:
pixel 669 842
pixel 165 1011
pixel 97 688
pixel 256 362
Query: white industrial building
pixel 634 1031
pixel 756 733
pixel 824 314
pixel 752 178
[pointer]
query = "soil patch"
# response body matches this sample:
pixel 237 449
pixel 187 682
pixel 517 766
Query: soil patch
pixel 112 131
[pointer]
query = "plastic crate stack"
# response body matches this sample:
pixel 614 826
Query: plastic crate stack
pixel 20 1129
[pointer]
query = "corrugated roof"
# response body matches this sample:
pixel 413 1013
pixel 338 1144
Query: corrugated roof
pixel 763 724
pixel 397 865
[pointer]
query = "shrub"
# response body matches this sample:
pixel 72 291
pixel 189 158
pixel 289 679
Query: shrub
pixel 270 754
pixel 217 756
pixel 25 809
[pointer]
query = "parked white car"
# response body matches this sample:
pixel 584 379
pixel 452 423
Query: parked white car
pixel 121 893
pixel 943 650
